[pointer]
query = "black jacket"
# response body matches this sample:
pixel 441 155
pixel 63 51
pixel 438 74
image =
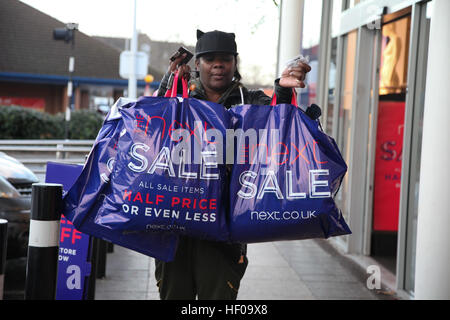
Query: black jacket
pixel 232 96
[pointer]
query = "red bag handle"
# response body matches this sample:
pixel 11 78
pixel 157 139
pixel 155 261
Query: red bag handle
pixel 172 93
pixel 174 84
pixel 293 101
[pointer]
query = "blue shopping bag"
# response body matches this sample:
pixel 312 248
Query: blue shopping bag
pixel 85 197
pixel 169 173
pixel 285 174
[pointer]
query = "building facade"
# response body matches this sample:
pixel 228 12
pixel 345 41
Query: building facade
pixel 371 76
pixel 34 68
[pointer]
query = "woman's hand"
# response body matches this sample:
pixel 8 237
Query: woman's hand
pixel 183 70
pixel 294 77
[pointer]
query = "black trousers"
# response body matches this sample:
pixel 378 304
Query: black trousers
pixel 203 269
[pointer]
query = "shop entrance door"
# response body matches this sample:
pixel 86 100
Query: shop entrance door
pixel 389 138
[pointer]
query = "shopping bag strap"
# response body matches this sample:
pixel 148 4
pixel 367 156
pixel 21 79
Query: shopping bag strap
pixel 172 93
pixel 293 101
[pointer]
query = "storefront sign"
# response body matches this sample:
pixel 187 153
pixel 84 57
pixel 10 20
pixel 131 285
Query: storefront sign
pixel 388 165
pixel 73 267
pixel 34 103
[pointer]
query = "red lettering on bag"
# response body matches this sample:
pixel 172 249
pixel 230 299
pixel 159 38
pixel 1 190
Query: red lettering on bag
pixel 126 194
pixel 159 198
pixel 138 197
pixel 257 146
pixel 195 203
pixel 244 154
pixel 300 153
pixel 276 155
pixel 175 200
pixel 281 153
pixel 143 122
pixel 115 145
pixel 139 122
pixel 172 128
pixel 314 154
pixel 213 204
pixel 200 204
pixel 186 202
pixel 193 132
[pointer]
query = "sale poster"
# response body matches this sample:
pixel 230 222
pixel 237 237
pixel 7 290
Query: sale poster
pixel 388 165
pixel 73 261
pixel 33 103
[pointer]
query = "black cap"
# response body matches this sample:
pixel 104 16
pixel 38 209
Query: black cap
pixel 215 41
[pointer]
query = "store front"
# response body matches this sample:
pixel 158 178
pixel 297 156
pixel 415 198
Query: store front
pixel 370 81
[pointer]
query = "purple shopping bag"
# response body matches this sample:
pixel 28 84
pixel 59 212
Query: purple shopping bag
pixel 169 173
pixel 85 197
pixel 285 175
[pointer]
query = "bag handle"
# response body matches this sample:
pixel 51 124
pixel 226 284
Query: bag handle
pixel 293 101
pixel 172 93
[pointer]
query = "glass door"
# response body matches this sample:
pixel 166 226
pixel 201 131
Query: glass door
pixel 389 139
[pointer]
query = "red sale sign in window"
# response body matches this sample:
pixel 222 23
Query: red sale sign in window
pixel 34 103
pixel 388 165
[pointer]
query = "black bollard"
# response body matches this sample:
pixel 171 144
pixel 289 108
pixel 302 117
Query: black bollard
pixel 110 247
pixel 102 252
pixel 42 260
pixel 3 246
pixel 93 254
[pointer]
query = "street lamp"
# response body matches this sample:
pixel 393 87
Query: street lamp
pixel 67 34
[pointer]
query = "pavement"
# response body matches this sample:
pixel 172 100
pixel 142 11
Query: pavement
pixel 284 270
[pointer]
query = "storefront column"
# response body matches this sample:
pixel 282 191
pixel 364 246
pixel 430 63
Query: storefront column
pixel 291 21
pixel 432 279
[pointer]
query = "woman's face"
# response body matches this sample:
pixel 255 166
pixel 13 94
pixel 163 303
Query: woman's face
pixel 216 70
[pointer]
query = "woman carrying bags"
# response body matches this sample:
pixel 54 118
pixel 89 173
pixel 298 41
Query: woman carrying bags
pixel 201 268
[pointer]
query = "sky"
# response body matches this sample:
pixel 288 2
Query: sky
pixel 255 23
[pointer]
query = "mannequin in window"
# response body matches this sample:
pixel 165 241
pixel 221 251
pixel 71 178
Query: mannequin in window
pixel 390 80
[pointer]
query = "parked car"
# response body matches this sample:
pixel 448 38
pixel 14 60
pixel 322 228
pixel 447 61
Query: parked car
pixel 15 205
